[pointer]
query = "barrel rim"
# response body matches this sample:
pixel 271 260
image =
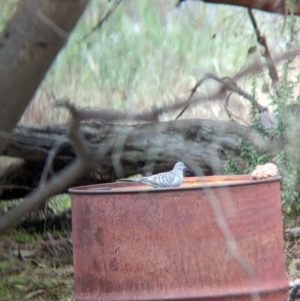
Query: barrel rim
pixel 102 189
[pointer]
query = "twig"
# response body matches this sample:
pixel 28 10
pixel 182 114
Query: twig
pixel 227 84
pixel 179 2
pixel 53 246
pixel 193 91
pixel 60 32
pixel 226 105
pixel 100 23
pixel 20 255
pixel 229 113
pixel 49 162
pixel 266 54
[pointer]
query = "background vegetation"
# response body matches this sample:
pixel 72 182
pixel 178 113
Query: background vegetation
pixel 147 54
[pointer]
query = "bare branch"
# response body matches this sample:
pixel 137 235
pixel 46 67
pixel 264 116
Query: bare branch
pixel 230 114
pixel 111 115
pixel 256 67
pixel 105 18
pixel 51 24
pixel 49 162
pixel 266 54
pixel 227 84
pixel 193 91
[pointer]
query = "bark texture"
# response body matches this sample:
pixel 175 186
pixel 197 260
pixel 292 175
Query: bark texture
pixel 28 45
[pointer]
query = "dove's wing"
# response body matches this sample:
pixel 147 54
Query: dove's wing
pixel 171 178
pixel 164 179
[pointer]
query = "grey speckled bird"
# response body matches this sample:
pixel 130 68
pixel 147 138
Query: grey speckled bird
pixel 172 178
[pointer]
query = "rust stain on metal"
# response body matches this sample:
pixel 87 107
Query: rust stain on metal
pixel 132 242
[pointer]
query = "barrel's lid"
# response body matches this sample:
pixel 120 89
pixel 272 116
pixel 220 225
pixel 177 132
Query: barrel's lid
pixel 188 183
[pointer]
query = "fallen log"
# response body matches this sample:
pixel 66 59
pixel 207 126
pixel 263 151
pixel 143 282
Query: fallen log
pixel 138 148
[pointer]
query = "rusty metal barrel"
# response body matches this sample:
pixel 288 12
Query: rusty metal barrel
pixel 213 238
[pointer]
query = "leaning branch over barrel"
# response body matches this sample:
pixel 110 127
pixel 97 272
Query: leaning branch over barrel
pixel 59 183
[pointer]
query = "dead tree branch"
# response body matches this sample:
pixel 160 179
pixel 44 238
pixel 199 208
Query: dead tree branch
pixel 227 84
pixel 50 159
pixel 104 19
pixel 109 116
pixel 266 53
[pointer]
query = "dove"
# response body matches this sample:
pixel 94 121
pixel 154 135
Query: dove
pixel 172 178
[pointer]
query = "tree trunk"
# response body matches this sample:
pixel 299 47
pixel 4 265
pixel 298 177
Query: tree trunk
pixel 139 148
pixel 28 45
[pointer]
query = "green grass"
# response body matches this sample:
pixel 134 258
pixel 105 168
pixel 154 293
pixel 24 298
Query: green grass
pixel 28 280
pixel 4 266
pixel 34 277
pixel 56 204
pixel 60 203
pixel 24 237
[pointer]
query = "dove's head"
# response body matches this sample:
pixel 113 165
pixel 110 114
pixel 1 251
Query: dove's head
pixel 180 166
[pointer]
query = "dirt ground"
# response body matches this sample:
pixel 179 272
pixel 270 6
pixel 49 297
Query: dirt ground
pixel 292 258
pixel 35 267
pixel 39 267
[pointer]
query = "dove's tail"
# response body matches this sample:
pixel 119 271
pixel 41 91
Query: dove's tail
pixel 128 180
